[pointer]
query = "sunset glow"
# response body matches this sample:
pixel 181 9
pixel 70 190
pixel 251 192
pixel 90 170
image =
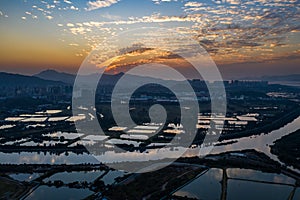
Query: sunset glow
pixel 254 36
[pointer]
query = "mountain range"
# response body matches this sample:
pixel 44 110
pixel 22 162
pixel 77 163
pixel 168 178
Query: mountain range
pixel 52 77
pixel 13 80
pixel 293 77
pixel 106 79
pixel 287 78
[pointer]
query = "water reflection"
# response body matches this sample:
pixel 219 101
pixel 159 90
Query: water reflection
pixel 239 184
pixel 109 178
pixel 70 177
pixel 206 186
pixel 250 190
pixel 46 158
pixel 259 176
pixel 43 192
pixel 24 176
pixel 297 194
pixel 260 142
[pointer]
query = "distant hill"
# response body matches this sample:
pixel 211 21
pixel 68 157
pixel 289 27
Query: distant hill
pixel 286 78
pixel 70 78
pixel 56 76
pixel 106 79
pixel 52 77
pixel 8 79
pixel 293 77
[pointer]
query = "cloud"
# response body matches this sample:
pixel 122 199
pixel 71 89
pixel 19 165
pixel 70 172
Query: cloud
pixel 233 2
pixel 74 44
pixel 93 5
pixel 74 8
pixel 68 2
pixel 160 1
pixel 111 17
pixel 193 4
pixel 49 17
pixel 50 8
pixel 231 33
pixel 70 25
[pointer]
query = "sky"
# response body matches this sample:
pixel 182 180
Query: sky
pixel 244 38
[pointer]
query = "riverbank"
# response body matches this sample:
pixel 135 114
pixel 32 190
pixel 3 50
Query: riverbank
pixel 267 128
pixel 287 149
